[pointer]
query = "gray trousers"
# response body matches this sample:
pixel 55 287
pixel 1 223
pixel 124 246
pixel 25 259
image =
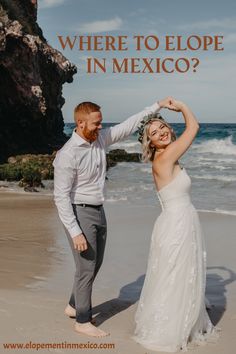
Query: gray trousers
pixel 92 222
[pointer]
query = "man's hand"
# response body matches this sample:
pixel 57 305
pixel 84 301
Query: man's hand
pixel 165 103
pixel 172 104
pixel 80 243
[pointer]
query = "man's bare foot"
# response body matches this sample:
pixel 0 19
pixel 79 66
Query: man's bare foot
pixel 89 330
pixel 71 312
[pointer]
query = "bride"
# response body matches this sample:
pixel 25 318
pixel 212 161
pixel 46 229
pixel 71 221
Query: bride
pixel 171 314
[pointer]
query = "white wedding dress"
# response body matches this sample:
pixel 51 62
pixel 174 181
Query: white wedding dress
pixel 171 314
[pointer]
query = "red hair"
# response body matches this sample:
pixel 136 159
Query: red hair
pixel 84 108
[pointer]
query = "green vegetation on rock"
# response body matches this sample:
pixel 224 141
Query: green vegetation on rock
pixel 30 169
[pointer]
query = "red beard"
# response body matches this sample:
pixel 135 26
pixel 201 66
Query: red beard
pixel 90 135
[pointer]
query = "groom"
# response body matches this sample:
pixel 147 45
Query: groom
pixel 79 178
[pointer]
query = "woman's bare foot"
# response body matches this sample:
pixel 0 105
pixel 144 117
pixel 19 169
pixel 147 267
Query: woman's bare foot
pixel 89 329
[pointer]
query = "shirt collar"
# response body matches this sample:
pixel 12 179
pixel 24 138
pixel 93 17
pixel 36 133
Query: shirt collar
pixel 79 140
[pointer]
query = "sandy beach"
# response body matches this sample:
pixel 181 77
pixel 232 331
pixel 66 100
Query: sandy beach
pixel 36 274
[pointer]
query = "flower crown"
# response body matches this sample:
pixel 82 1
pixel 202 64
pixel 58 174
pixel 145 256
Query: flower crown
pixel 147 119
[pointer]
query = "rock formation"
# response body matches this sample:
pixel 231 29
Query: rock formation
pixel 31 77
pixel 31 169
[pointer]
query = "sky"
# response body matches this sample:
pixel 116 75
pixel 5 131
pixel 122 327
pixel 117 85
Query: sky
pixel 210 91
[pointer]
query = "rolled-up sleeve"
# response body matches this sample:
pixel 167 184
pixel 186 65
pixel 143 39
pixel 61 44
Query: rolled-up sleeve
pixel 64 175
pixel 129 126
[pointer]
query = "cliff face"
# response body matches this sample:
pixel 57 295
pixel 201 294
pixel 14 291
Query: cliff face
pixel 31 77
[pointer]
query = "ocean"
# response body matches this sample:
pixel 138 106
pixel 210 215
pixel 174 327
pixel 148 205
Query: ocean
pixel 210 162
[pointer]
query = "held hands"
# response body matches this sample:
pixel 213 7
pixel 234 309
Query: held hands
pixel 172 104
pixel 80 243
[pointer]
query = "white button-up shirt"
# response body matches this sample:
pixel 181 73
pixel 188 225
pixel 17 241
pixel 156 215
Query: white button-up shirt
pixel 80 168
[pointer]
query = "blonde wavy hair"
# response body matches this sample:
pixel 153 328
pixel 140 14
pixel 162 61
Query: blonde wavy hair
pixel 148 152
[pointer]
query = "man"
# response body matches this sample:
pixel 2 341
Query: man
pixel 79 178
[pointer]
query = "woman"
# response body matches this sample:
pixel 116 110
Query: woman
pixel 171 312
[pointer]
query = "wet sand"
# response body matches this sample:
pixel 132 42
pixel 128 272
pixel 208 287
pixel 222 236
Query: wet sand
pixel 36 274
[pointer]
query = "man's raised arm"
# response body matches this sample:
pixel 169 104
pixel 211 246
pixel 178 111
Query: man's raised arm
pixel 129 126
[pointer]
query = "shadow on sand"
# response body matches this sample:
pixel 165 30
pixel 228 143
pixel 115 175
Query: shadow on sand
pixel 216 290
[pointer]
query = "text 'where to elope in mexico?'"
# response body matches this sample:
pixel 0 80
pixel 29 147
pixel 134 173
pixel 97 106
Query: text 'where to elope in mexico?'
pixel 151 43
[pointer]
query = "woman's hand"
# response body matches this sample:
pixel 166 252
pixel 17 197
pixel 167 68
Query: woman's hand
pixel 172 104
pixel 177 148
